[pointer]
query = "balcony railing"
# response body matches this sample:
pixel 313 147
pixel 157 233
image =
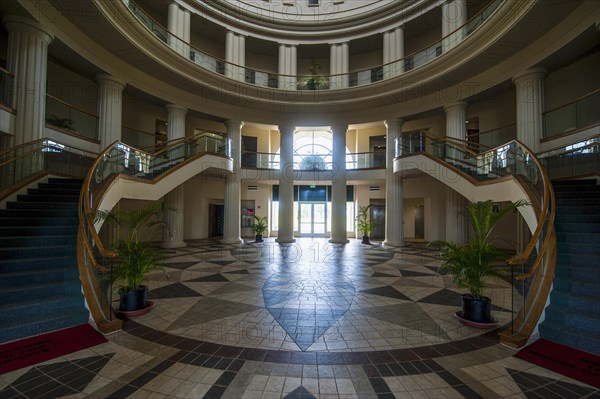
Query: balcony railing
pixel 67 117
pixel 574 160
pixel 7 88
pixel 578 114
pixel 137 138
pixel 30 161
pixel 314 162
pixel 306 81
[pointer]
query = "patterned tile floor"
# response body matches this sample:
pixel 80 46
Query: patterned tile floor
pixel 304 320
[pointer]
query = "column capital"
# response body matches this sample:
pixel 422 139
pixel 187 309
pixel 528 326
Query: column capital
pixel 456 104
pixel 233 124
pixel 339 128
pixel 175 108
pixel 529 74
pixel 395 122
pixel 106 79
pixel 287 45
pixel 287 129
pixel 17 23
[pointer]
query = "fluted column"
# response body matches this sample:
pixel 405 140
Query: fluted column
pixel 235 55
pixel 394 206
pixel 110 109
pixel 338 186
pixel 393 50
pixel 456 221
pixel 232 216
pixel 179 27
pixel 288 68
pixel 285 234
pixel 456 120
pixel 530 106
pixel 339 61
pixel 174 200
pixel 27 58
pixel 454 15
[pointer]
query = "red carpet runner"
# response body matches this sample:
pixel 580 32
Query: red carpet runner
pixel 25 352
pixel 579 365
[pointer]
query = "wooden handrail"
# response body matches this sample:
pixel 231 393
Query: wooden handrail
pixel 71 106
pixel 2 70
pixel 492 130
pixel 591 93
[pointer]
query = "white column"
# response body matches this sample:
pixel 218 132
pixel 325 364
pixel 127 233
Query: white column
pixel 456 220
pixel 338 189
pixel 286 185
pixel 175 216
pixel 394 206
pixel 339 63
pixel 233 213
pixel 179 27
pixel 393 50
pixel 27 58
pixel 235 56
pixel 110 109
pixel 456 120
pixel 454 15
pixel 287 67
pixel 530 106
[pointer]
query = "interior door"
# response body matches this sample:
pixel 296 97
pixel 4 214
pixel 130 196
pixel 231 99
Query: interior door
pixel 419 222
pixel 313 219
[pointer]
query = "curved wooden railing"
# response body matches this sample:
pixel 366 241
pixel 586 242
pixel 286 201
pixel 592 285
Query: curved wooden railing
pixel 532 270
pixel 94 258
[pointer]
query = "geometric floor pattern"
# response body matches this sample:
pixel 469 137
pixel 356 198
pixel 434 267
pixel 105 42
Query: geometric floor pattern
pixel 303 320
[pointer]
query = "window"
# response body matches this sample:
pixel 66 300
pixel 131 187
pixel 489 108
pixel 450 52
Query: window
pixel 313 3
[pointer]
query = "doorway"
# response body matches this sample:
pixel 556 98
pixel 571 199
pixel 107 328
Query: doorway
pixel 216 214
pixel 312 218
pixel 419 222
pixel 378 218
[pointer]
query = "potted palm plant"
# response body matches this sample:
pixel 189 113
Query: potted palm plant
pixel 135 257
pixel 260 226
pixel 470 264
pixel 364 223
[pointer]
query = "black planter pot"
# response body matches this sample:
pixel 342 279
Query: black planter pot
pixel 477 310
pixel 258 238
pixel 365 240
pixel 134 300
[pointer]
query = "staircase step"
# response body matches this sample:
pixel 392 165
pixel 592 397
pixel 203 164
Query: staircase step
pixel 581 182
pixel 581 238
pixel 54 191
pixel 575 188
pixel 574 248
pixel 35 252
pixel 584 303
pixel 581 286
pixel 61 185
pixel 21 265
pixel 577 202
pixel 37 291
pixel 575 337
pixel 33 221
pixel 582 218
pixel 27 309
pixel 38 213
pixel 37 243
pixel 577 227
pixel 577 260
pixel 50 274
pixel 57 320
pixel 577 210
pixel 37 231
pixel 575 319
pixel 582 194
pixel 577 272
pixel 65 180
pixel 42 205
pixel 47 198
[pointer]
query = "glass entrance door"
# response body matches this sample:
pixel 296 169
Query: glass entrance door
pixel 313 218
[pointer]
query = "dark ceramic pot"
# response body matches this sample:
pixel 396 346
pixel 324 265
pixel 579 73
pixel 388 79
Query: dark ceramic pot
pixel 478 310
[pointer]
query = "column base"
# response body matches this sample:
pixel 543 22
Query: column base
pixel 232 241
pixel 285 240
pixel 173 244
pixel 392 244
pixel 336 241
